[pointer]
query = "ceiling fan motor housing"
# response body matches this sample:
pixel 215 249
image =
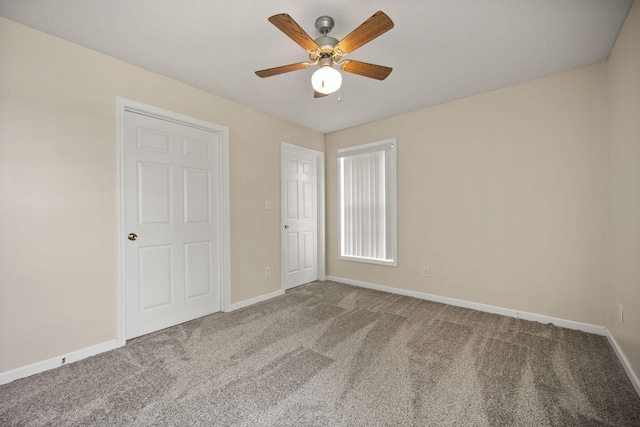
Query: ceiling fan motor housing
pixel 324 25
pixel 326 45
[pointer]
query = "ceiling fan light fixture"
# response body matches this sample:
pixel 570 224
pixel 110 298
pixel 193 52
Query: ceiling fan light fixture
pixel 326 80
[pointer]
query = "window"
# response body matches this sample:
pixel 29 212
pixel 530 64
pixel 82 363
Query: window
pixel 367 180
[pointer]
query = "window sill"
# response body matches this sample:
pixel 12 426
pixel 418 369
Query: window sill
pixel 389 263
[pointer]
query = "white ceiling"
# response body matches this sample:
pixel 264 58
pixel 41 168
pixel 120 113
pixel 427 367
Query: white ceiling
pixel 440 50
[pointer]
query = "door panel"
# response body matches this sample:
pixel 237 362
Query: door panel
pixel 196 147
pixel 153 140
pixel 307 168
pixel 309 251
pixel 292 165
pixel 196 196
pixel 172 203
pixel 155 276
pixel 197 277
pixel 154 194
pixel 292 250
pixel 292 199
pixel 308 197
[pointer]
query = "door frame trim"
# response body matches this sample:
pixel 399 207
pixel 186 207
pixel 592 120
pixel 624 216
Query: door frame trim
pixel 320 252
pixel 122 105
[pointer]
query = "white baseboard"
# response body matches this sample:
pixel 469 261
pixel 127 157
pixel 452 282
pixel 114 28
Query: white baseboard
pixel 625 362
pixel 56 362
pixel 251 301
pixel 569 324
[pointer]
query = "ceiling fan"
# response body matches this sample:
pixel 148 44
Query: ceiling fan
pixel 325 51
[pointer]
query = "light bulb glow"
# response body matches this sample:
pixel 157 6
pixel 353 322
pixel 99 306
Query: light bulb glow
pixel 326 80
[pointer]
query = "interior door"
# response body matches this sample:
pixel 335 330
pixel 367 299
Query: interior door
pixel 300 221
pixel 172 217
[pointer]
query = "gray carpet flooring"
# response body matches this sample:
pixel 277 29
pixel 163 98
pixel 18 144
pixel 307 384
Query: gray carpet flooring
pixel 327 354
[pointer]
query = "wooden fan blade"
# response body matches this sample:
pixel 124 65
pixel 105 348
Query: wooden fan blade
pixel 373 71
pixel 287 25
pixel 283 69
pixel 317 94
pixel 378 24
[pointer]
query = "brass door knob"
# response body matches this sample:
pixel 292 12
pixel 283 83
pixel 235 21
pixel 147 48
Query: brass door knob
pixel 286 226
pixel 132 236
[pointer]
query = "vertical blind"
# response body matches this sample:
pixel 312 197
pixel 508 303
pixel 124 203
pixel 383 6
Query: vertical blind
pixel 366 205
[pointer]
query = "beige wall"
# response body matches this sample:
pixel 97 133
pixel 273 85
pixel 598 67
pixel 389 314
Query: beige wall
pixel 502 194
pixel 58 194
pixel 623 77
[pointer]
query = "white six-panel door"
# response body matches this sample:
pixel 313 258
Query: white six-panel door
pixel 172 219
pixel 300 228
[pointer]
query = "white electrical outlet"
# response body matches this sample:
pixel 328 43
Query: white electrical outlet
pixel 426 271
pixel 620 313
pixel 267 271
pixel 267 205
